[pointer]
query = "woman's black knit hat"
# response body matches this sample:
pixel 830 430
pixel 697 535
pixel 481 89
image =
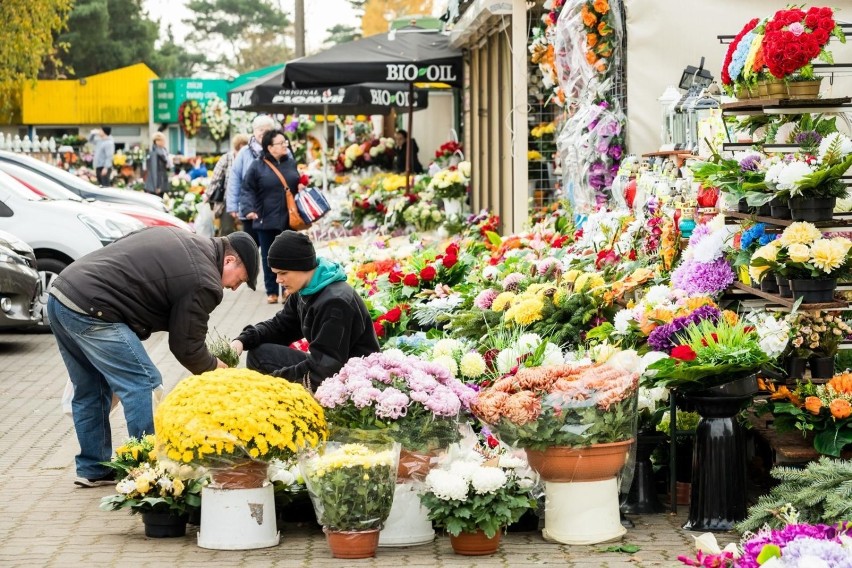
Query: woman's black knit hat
pixel 292 251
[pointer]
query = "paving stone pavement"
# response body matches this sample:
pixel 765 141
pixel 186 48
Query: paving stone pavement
pixel 46 521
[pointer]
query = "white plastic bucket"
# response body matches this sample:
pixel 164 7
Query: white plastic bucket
pixel 582 512
pixel 408 523
pixel 238 519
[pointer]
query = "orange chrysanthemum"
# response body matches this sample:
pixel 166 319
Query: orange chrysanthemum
pixel 840 408
pixel 813 404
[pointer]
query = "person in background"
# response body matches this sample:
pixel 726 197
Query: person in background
pixel 106 303
pixel 402 138
pixel 219 183
pixel 263 198
pixel 157 179
pixel 104 144
pixel 320 307
pixel 199 169
pixel 244 158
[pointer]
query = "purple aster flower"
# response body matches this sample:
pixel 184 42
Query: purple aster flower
pixel 781 538
pixel 703 278
pixel 392 403
pixel 808 138
pixel 750 163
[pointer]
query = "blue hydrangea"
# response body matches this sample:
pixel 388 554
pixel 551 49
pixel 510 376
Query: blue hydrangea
pixel 768 238
pixel 737 63
pixel 755 233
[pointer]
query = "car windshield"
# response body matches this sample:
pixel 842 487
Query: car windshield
pixel 38 183
pixel 18 189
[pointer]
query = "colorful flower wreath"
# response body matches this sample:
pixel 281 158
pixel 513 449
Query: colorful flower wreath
pixel 794 38
pixel 726 77
pixel 217 117
pixel 189 117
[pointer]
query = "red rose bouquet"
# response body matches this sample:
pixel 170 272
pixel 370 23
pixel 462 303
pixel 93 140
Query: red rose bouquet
pixel 794 38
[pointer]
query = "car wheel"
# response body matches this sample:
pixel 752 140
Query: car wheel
pixel 48 270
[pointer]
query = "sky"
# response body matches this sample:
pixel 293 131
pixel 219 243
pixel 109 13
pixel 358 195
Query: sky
pixel 319 16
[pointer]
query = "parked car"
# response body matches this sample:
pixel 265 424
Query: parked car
pixel 20 285
pixel 59 231
pixel 81 187
pixel 46 187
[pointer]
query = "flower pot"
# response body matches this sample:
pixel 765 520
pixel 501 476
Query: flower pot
pixel 408 523
pixel 248 474
pixel 762 90
pixel 683 488
pixel 475 544
pixel 583 512
pixel 776 89
pixel 164 525
pixel 718 497
pixel 453 206
pixel 795 368
pixel 769 285
pixel 780 208
pixel 742 93
pixel 642 497
pixel 813 291
pixel 593 463
pixel 414 465
pixel 812 209
pixel 821 367
pixel 765 210
pixel 352 544
pixel 742 206
pixel 238 519
pixel 783 286
pixel 804 89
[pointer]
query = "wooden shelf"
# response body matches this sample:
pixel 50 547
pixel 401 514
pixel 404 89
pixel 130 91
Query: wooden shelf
pixel 666 153
pixel 788 106
pixel 844 223
pixel 789 302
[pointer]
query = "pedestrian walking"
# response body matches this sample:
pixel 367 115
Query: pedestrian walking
pixel 263 198
pixel 157 164
pixel 219 183
pixel 320 307
pixel 104 145
pixel 105 304
pixel 260 125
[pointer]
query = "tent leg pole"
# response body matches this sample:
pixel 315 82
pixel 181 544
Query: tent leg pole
pixel 325 148
pixel 408 143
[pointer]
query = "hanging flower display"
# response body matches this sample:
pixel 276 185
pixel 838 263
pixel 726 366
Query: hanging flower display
pixel 189 117
pixel 217 118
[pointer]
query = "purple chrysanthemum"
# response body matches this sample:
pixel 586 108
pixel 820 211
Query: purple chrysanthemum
pixel 485 298
pixel 663 337
pixel 750 163
pixel 703 278
pixel 698 234
pixel 781 538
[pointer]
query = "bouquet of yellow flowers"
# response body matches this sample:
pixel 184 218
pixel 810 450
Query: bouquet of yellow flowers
pixel 228 416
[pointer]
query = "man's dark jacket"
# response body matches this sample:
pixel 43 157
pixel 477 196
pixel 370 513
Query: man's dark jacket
pixel 157 279
pixel 334 321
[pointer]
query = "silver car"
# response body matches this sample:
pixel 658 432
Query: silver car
pixel 20 285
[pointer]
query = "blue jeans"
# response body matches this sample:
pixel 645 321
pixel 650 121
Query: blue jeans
pixel 265 238
pixel 103 358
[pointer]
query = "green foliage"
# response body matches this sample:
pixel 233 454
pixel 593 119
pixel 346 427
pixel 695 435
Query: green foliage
pixel 821 492
pixel 131 454
pixel 340 33
pixel 221 348
pixel 565 321
pixel 625 548
pixel 474 324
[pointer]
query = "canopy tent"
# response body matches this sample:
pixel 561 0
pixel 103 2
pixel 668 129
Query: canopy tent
pixel 266 94
pixel 404 56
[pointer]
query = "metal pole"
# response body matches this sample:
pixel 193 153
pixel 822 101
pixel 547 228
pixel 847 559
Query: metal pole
pixel 408 144
pixel 324 147
pixel 300 28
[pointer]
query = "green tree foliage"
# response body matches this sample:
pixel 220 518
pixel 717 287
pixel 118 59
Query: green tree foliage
pixel 108 34
pixel 173 60
pixel 28 30
pixel 251 32
pixel 342 34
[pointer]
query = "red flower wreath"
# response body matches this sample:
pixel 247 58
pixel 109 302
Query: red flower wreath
pixel 726 77
pixel 794 38
pixel 189 117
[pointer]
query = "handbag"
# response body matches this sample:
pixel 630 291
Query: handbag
pixel 296 222
pixel 312 204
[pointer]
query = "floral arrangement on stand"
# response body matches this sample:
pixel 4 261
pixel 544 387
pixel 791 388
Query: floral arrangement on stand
pixel 451 183
pixel 735 57
pixel 448 151
pixel 216 115
pixel 543 53
pixel 378 152
pixel 189 117
pixel 794 38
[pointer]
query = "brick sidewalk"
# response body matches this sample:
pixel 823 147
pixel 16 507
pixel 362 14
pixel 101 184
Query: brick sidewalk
pixel 46 521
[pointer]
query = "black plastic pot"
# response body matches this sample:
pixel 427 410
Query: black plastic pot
pixel 164 525
pixel 783 286
pixel 812 209
pixel 764 210
pixel 780 208
pixel 769 285
pixel 814 291
pixel 821 367
pixel 795 367
pixel 642 498
pixel 742 206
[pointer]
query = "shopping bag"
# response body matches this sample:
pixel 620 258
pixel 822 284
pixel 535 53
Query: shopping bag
pixel 297 223
pixel 204 220
pixel 312 204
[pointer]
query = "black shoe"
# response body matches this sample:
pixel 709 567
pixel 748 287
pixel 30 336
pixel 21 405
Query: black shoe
pixel 108 479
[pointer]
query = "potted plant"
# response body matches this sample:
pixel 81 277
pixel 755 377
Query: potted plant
pixel 812 262
pixel 163 498
pixel 816 338
pixel 352 488
pixel 474 500
pixel 450 185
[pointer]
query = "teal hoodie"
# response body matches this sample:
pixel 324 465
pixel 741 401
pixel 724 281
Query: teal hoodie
pixel 326 272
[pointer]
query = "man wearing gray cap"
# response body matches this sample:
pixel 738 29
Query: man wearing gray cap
pixel 106 303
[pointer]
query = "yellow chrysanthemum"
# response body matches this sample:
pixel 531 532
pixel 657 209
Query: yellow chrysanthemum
pixel 731 318
pixel 828 256
pixel 588 281
pixel 526 311
pixel 799 233
pixel 696 302
pixel 472 365
pixel 502 301
pixel 571 275
pixel 799 252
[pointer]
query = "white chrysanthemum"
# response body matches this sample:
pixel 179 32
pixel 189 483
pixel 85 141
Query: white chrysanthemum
pixel 126 486
pixel 792 174
pixel 784 133
pixel 621 321
pixel 396 354
pixel 511 462
pixel 709 248
pixel 472 365
pixel 446 486
pixel 552 355
pixel 464 468
pixel 825 144
pixel 490 273
pixel 446 347
pixel 844 205
pixel 448 363
pixel 773 171
pixel 507 359
pixel 528 342
pixel 648 398
pixel 657 294
pixel 488 480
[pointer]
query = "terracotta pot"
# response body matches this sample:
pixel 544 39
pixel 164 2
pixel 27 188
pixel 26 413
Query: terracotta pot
pixel 475 544
pixel 249 474
pixel 594 463
pixel 352 544
pixel 414 465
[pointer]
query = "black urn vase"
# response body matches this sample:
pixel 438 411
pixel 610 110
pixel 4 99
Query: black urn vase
pixel 718 497
pixel 642 498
